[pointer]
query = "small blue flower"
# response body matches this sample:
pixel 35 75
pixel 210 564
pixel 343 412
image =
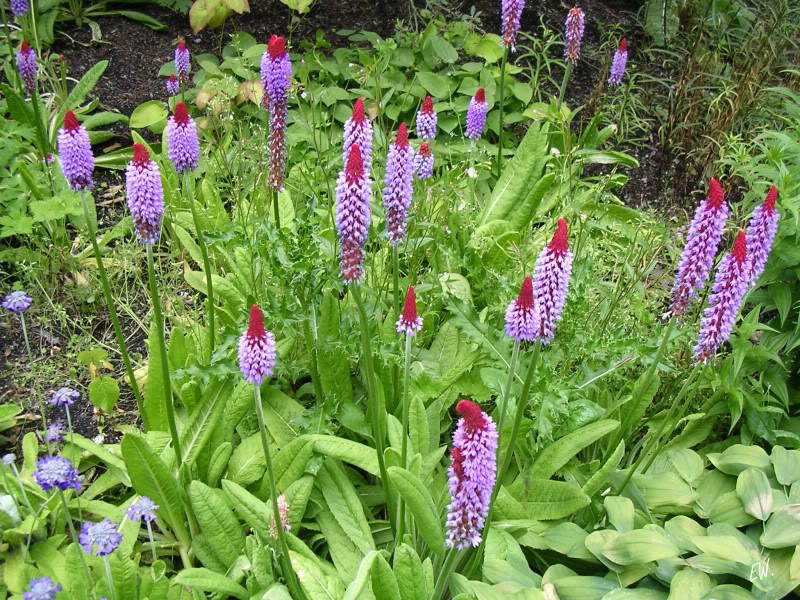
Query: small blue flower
pixel 103 536
pixel 17 302
pixel 55 432
pixel 8 459
pixel 64 397
pixel 56 472
pixel 143 509
pixel 41 589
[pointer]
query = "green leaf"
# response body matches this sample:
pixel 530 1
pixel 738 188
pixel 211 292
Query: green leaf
pixel 418 426
pixel 443 50
pixel 436 85
pixel 488 47
pixel 545 500
pixel 356 454
pixel 55 208
pixel 104 393
pixel 247 463
pixel 786 464
pixel 782 530
pixel 315 583
pixel 737 458
pixel 253 511
pixel 300 6
pixel 640 546
pixel 360 586
pixel 384 583
pixel 342 500
pixel 755 493
pixel 597 480
pixel 218 463
pixel 17 107
pixel 410 576
pixel 421 505
pixel 148 114
pixel 155 403
pixel 219 526
pixel 661 20
pixel 204 419
pixel 208 581
pixel 81 91
pixel 555 456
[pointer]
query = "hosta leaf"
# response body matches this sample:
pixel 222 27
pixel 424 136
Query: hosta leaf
pixel 640 546
pixel 209 581
pixel 782 530
pixel 556 455
pixel 755 493
pixel 583 588
pixel 219 526
pixel 688 584
pixel 420 503
pixel 786 464
pixel 737 458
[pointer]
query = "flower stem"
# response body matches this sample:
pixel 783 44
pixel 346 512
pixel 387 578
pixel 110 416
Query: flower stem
pixel 512 370
pixel 69 422
pixel 159 319
pixel 309 330
pixel 276 210
pixel 401 509
pixel 22 488
pixel 152 543
pixel 112 312
pixel 501 94
pixel 563 89
pixel 397 308
pixel 444 574
pixel 74 535
pixel 188 185
pixel 25 337
pixel 286 565
pixel 107 565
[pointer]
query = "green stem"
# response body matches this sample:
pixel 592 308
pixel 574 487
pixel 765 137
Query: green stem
pixel 512 369
pixel 276 209
pixel 107 565
pixel 397 309
pixel 159 320
pixel 22 488
pixel 286 565
pixel 377 409
pixel 25 337
pixel 112 312
pixel 33 28
pixel 563 89
pixel 41 131
pixel 188 184
pixel 152 543
pixel 444 574
pixel 501 95
pixel 74 536
pixel 404 443
pixel 311 344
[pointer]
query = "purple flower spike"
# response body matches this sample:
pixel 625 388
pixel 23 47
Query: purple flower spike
pixel 144 508
pixel 576 23
pixel 183 63
pixel 427 120
pixel 256 349
pixel 476 115
pixel 730 286
pixel 172 85
pixel 702 242
pixel 17 302
pixel 523 322
pixel 409 323
pixel 18 9
pixel 42 589
pixel 64 396
pixel 276 72
pixel 55 433
pixel 145 195
pixel 56 472
pixel 277 145
pixel 100 539
pixel 353 189
pixel 551 281
pixel 397 186
pixel 511 15
pixel 27 66
pixel 761 234
pixel 75 150
pixel 423 162
pixel 358 130
pixel 182 142
pixel 283 513
pixel 472 473
pixel 619 63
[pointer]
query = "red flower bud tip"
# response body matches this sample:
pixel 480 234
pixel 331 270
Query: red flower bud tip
pixel 480 95
pixel 623 45
pixel 769 201
pixel 255 327
pixel 70 121
pixel 425 149
pixel 715 194
pixel 25 47
pixel 61 58
pixel 560 241
pixel 355 166
pixel 358 112
pixel 181 44
pixel 172 78
pixel 740 247
pixel 427 105
pixel 410 307
pixel 181 114
pixel 276 46
pixel 458 461
pixel 473 416
pixel 525 299
pixel 401 139
pixel 140 155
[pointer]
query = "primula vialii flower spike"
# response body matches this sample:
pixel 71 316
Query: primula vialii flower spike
pixel 397 186
pixel 409 323
pixel 276 74
pixel 576 23
pixel 761 234
pixel 618 63
pixel 523 322
pixel 172 85
pixel 476 115
pixel 75 150
pixel 182 143
pixel 511 15
pixel 100 539
pixel 19 8
pixel 705 233
pixel 27 65
pixel 183 65
pixel 283 512
pixel 730 287
pixel 257 352
pixel 551 281
pixel 358 130
pixel 471 476
pixel 145 195
pixel 43 588
pixel 427 120
pixel 353 190
pixel 423 162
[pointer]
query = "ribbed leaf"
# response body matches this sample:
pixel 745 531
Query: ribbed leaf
pixel 343 502
pixel 217 523
pixel 596 481
pixel 356 454
pixel 204 419
pixel 155 403
pixel 209 581
pixel 409 574
pixel 418 426
pixel 556 455
pixel 418 499
pixel 545 500
pixel 80 92
pixel 253 511
pixel 314 582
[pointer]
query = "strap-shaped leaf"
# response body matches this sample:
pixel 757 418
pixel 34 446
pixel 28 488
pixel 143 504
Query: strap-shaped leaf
pixel 209 581
pixel 356 454
pixel 419 502
pixel 204 419
pixel 254 512
pixel 220 527
pixel 555 456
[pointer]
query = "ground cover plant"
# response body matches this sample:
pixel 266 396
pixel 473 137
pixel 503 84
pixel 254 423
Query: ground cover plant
pixel 372 321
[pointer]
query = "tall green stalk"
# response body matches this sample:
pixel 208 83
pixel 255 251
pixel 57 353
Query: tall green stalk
pixel 276 209
pixel 444 574
pixel 501 95
pixel 188 185
pixel 286 563
pixel 563 89
pixel 401 509
pixel 107 565
pixel 74 535
pixel 167 384
pixel 397 310
pixel 512 369
pixel 112 311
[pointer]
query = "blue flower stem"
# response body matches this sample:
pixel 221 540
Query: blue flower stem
pixel 500 99
pixel 69 422
pixel 25 336
pixel 107 565
pixel 22 488
pixel 285 560
pixel 188 185
pixel 401 508
pixel 167 384
pixel 152 543
pixel 74 535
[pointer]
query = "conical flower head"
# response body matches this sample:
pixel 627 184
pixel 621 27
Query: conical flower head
pixel 423 162
pixel 358 130
pixel 257 352
pixel 145 195
pixel 618 63
pixel 19 8
pixel 183 64
pixel 172 85
pixel 75 150
pixel 511 15
pixel 283 513
pixel 705 233
pixel 471 476
pixel 397 186
pixel 523 322
pixel 730 287
pixel 27 66
pixel 353 190
pixel 551 281
pixel 409 323
pixel 476 115
pixel 761 234
pixel 427 120
pixel 276 72
pixel 43 588
pixel 100 539
pixel 183 146
pixel 574 28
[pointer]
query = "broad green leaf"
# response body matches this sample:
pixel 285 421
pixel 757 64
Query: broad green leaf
pixel 410 576
pixel 737 458
pixel 620 512
pixel 436 85
pixel 782 530
pixel 154 393
pixel 300 6
pixel 556 455
pixel 204 419
pixel 418 426
pixel 209 581
pixel 334 369
pixel 786 464
pixel 578 587
pixel 640 546
pixel 17 107
pixel 149 114
pixel 290 462
pixel 727 508
pixel 356 454
pixel 253 511
pixel 360 587
pixel 545 500
pixel 104 393
pixel 522 215
pixel 218 463
pixel 597 480
pixel 755 493
pixel 80 92
pixel 315 583
pixel 689 584
pixel 342 500
pixel 247 463
pixel 280 412
pixel 688 463
pixel 384 584
pixel 443 50
pixel 219 526
pixel 420 503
